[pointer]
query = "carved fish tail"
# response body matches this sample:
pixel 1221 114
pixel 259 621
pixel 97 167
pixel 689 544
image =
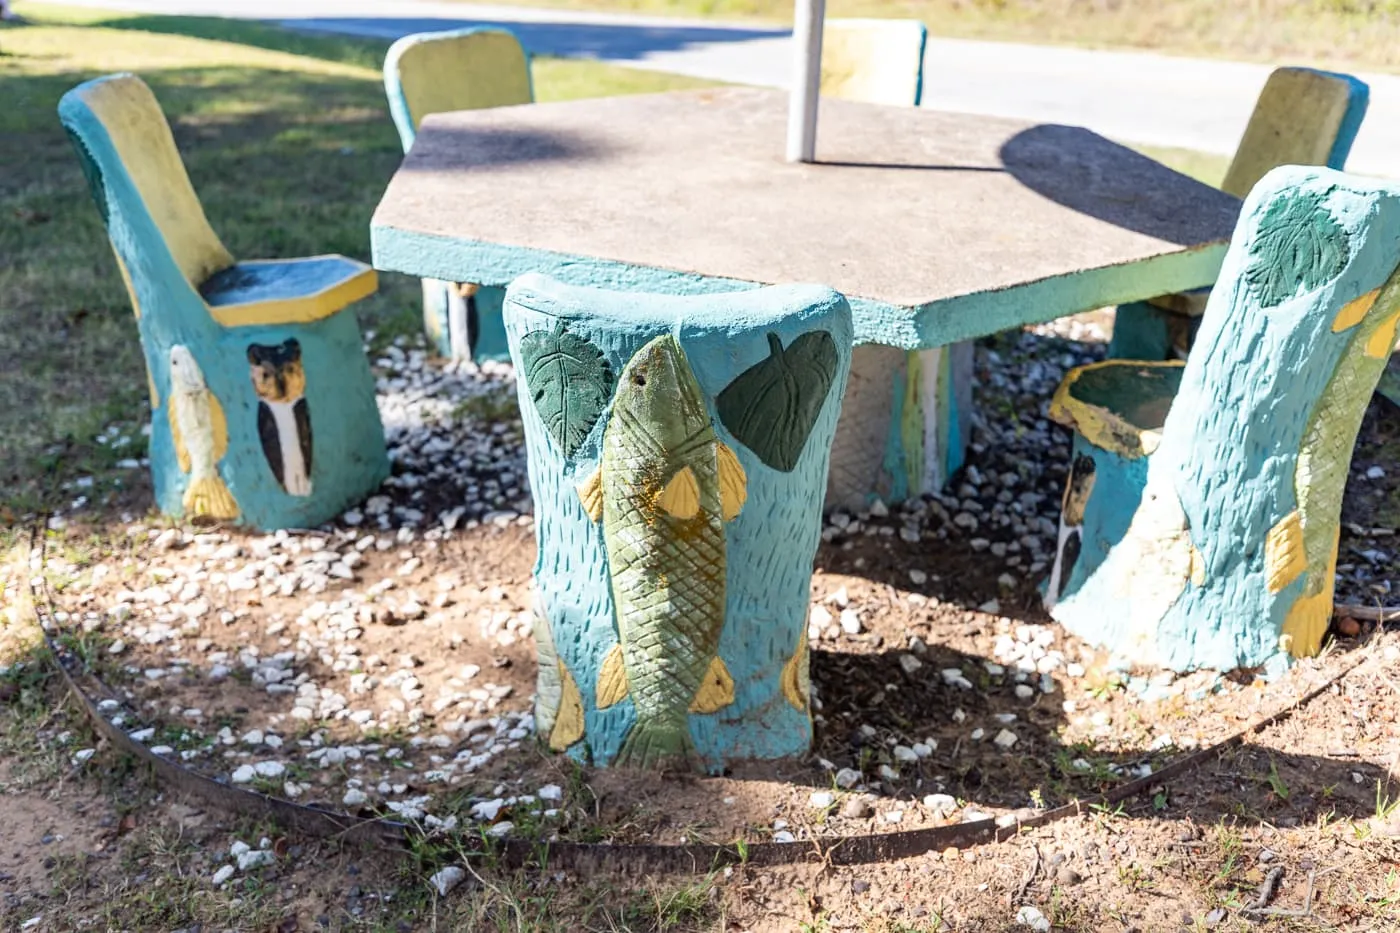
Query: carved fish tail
pixel 656 744
pixel 208 496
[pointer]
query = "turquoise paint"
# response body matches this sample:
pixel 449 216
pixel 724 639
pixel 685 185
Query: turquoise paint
pixel 919 327
pixel 1358 100
pixel 919 77
pixel 276 280
pixel 349 458
pixel 770 544
pixel 1230 443
pixel 895 465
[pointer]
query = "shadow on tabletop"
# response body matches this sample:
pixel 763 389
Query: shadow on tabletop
pixel 1087 173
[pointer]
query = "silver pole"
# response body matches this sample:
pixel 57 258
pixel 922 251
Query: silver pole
pixel 806 80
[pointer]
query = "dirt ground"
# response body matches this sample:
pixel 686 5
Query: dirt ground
pixel 403 687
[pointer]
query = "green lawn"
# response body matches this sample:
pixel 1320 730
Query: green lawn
pixel 289 143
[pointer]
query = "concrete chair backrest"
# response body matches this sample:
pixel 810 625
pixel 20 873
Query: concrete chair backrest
pixel 463 69
pixel 1302 117
pixel 138 178
pixel 878 61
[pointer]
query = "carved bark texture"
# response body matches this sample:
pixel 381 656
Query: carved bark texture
pixel 1218 549
pixel 674 561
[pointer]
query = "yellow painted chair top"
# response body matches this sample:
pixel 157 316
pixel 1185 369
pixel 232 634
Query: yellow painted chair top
pixel 878 61
pixel 463 69
pixel 118 122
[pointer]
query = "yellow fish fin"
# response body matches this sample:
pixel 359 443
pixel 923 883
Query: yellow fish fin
pixel 1353 312
pixel 612 679
pixel 590 493
pixel 218 427
pixel 209 497
pixel 151 384
pixel 733 484
pixel 1198 567
pixel 568 722
pixel 681 497
pixel 1284 556
pixel 1306 622
pixel 716 690
pixel 177 440
pixel 1382 340
pixel 791 680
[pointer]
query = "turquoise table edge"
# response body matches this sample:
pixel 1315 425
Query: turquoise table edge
pixel 926 326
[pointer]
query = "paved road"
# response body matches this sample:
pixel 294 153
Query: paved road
pixel 1131 96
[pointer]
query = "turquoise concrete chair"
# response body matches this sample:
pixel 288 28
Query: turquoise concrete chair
pixel 1202 512
pixel 1302 117
pixel 262 400
pixel 463 69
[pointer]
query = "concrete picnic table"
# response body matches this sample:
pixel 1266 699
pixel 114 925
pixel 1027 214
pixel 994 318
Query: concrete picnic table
pixel 938 227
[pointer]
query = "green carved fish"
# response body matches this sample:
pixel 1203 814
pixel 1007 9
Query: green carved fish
pixel 664 489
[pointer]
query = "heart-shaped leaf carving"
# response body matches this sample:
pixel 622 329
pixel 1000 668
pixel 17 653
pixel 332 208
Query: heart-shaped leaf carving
pixel 772 406
pixel 569 381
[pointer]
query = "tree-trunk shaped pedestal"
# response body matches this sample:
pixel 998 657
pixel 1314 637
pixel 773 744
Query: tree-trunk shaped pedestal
pixel 678 454
pixel 1201 518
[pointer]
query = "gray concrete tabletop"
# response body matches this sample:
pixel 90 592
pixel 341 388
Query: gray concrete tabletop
pixel 938 226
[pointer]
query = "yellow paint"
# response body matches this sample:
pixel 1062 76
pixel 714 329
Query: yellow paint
pixel 590 493
pixel 1285 557
pixel 716 690
pixel 568 722
pixel 795 678
pixel 1307 619
pixel 1354 311
pixel 151 385
pixel 300 309
pixel 141 136
pixel 681 497
pixel 1198 567
pixel 481 69
pixel 1295 122
pixel 177 440
pixel 733 483
pixel 130 288
pixel 1105 429
pixel 612 678
pixel 911 417
pixel 875 61
pixel 1382 341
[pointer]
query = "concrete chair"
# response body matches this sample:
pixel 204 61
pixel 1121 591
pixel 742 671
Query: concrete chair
pixel 1202 511
pixel 678 451
pixel 463 69
pixel 1302 117
pixel 905 422
pixel 262 400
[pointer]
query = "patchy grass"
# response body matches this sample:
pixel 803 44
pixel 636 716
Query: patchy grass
pixel 289 143
pixel 1340 33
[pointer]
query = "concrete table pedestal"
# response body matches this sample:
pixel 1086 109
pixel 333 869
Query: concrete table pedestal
pixel 678 453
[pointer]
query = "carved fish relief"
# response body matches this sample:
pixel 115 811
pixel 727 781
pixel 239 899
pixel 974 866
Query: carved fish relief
pixel 199 434
pixel 664 489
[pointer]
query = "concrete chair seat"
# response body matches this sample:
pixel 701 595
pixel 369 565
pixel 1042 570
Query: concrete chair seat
pixel 281 291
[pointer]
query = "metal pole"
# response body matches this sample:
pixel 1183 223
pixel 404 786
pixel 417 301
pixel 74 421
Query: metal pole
pixel 806 80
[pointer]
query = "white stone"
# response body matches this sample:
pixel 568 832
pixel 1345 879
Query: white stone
pixel 850 622
pixel 1031 917
pixel 821 799
pixel 550 792
pixel 270 769
pixel 941 805
pixel 223 874
pixel 888 773
pixel 1005 739
pixel 784 836
pixel 238 848
pixel 244 774
pixel 354 797
pixel 847 778
pixel 255 858
pixel 905 754
pixel 1023 692
pixel 909 663
pixel 447 879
